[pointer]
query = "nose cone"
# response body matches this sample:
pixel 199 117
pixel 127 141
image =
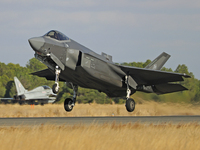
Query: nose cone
pixel 36 43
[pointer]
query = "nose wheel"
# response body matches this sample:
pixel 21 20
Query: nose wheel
pixel 55 88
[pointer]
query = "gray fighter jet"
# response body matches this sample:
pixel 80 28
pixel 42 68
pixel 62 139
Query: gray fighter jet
pixel 77 65
pixel 42 94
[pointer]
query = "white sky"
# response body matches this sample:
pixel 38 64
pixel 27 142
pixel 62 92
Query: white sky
pixel 129 30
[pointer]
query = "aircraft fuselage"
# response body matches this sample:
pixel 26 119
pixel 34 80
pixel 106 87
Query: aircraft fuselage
pixel 82 66
pixel 72 62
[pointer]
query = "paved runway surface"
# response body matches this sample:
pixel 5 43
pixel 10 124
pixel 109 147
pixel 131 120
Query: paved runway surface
pixel 98 120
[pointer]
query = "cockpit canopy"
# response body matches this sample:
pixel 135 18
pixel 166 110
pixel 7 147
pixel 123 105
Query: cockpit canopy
pixel 57 35
pixel 46 87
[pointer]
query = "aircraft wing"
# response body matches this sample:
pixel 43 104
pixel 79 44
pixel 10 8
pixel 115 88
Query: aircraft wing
pixel 6 98
pixel 47 73
pixel 152 77
pixel 50 98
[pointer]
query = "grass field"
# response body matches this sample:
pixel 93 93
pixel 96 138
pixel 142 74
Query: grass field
pixel 112 136
pixel 57 110
pixel 102 137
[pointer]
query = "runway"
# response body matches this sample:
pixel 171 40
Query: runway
pixel 97 120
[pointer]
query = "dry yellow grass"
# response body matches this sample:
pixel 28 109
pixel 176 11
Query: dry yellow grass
pixel 102 137
pixel 57 110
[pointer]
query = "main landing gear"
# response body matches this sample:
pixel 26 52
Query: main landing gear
pixel 70 103
pixel 130 103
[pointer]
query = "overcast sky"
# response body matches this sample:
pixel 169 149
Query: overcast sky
pixel 129 30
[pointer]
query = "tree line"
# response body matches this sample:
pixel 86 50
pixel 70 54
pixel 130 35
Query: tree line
pixel 8 89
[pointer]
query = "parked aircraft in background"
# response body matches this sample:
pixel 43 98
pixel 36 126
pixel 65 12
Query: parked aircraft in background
pixel 40 95
pixel 77 65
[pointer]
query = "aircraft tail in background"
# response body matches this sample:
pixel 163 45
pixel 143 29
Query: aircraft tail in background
pixel 158 63
pixel 20 88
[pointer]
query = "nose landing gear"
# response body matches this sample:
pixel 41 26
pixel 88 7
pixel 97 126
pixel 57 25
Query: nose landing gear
pixel 56 87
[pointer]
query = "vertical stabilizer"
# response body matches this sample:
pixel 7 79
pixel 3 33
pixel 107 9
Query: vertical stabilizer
pixel 20 88
pixel 158 63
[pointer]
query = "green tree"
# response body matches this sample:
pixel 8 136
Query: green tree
pixel 35 65
pixel 7 87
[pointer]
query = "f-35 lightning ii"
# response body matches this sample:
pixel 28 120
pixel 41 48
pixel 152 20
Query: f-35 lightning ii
pixel 42 94
pixel 77 65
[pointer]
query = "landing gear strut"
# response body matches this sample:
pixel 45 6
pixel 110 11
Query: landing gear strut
pixel 70 103
pixel 130 103
pixel 56 87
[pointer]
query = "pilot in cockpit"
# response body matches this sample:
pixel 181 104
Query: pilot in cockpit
pixel 57 35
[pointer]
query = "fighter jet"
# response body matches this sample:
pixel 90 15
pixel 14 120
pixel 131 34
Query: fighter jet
pixel 77 65
pixel 42 94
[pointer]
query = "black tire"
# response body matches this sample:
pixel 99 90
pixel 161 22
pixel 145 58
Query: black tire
pixel 55 89
pixel 130 105
pixel 68 104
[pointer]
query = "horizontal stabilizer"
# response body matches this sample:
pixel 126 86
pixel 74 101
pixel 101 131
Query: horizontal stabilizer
pixel 158 63
pixel 144 76
pixel 168 88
